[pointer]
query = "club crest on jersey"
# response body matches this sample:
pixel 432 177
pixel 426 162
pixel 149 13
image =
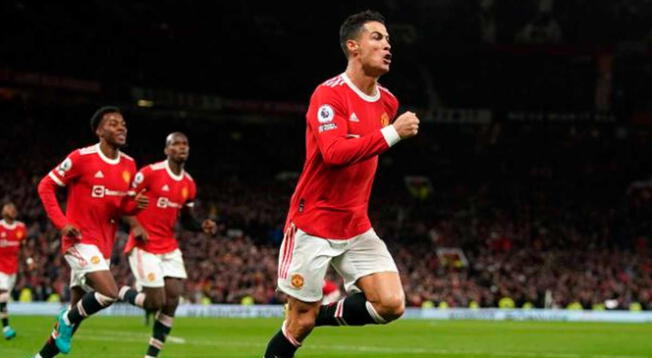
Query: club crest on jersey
pixel 184 192
pixel 19 234
pixel 384 119
pixel 151 277
pixel 65 166
pixel 296 281
pixel 126 176
pixel 95 260
pixel 325 114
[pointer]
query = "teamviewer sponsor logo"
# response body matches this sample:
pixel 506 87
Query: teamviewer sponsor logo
pixel 98 191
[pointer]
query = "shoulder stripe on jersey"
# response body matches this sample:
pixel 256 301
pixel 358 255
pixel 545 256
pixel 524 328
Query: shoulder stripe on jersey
pixel 335 81
pixel 386 90
pixel 88 150
pixel 127 156
pixel 157 166
pixel 188 175
pixel 55 179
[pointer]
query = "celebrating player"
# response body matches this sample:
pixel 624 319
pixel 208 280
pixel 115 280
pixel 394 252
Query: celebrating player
pixel 348 126
pixel 98 179
pixel 12 232
pixel 154 254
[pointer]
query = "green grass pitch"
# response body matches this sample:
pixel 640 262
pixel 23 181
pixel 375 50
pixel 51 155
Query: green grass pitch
pixel 122 337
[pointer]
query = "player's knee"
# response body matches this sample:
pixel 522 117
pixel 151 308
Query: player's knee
pixel 154 302
pixel 391 307
pixel 106 299
pixel 301 318
pixel 303 324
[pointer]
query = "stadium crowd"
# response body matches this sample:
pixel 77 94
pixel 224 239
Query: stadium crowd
pixel 544 215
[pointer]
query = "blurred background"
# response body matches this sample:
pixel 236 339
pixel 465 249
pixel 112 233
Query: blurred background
pixel 529 184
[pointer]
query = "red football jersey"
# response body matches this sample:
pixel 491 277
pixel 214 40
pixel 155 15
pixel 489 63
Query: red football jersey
pixel 346 130
pixel 167 193
pixel 10 238
pixel 98 195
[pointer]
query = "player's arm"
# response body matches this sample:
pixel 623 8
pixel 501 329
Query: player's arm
pixel 189 220
pixel 327 121
pixel 136 199
pixel 59 177
pixel 136 228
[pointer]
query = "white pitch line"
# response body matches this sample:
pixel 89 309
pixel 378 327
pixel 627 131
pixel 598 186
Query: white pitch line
pixel 122 336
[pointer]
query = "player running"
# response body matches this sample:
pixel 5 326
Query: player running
pixel 12 233
pixel 154 255
pixel 348 126
pixel 98 180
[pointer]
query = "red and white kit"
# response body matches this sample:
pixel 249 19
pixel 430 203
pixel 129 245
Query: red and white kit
pixel 11 236
pixel 328 218
pixel 160 256
pixel 98 195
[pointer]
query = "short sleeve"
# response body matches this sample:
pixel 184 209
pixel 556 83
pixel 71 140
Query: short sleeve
pixel 68 170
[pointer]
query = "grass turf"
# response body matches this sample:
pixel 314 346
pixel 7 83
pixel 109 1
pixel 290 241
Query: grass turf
pixel 119 337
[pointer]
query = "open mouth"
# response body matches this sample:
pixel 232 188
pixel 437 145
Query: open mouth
pixel 121 137
pixel 387 58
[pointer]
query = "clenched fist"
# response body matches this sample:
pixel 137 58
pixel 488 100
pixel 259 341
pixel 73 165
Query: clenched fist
pixel 407 125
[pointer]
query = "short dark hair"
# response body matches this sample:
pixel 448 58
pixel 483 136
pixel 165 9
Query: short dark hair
pixel 169 138
pixel 353 24
pixel 96 119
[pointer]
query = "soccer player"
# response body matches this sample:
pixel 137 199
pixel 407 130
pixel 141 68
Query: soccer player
pixel 12 232
pixel 98 179
pixel 154 255
pixel 348 126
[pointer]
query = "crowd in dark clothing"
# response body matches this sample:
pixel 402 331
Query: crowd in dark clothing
pixel 544 215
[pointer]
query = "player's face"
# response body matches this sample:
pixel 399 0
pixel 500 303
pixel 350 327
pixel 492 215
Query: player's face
pixel 9 211
pixel 374 48
pixel 114 129
pixel 178 149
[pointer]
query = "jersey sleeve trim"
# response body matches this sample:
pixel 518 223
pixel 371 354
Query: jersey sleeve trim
pixel 391 135
pixel 55 179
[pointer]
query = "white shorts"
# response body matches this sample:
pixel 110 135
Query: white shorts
pixel 7 281
pixel 304 259
pixel 84 259
pixel 151 269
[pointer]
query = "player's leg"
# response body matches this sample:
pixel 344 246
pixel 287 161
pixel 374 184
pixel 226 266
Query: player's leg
pixel 165 317
pixel 303 262
pixel 50 349
pixel 299 322
pixel 92 271
pixel 366 266
pixel 147 269
pixel 6 285
pixel 174 272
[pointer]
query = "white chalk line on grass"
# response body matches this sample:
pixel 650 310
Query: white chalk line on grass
pixel 130 337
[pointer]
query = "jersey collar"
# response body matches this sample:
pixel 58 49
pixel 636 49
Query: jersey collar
pixel 105 158
pixel 7 226
pixel 171 173
pixel 361 94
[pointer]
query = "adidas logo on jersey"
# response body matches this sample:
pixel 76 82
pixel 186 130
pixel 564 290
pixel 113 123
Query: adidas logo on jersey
pixel 165 188
pixel 354 118
pixel 99 174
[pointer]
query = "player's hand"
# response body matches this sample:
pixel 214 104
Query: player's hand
pixel 71 231
pixel 209 227
pixel 142 200
pixel 139 233
pixel 406 125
